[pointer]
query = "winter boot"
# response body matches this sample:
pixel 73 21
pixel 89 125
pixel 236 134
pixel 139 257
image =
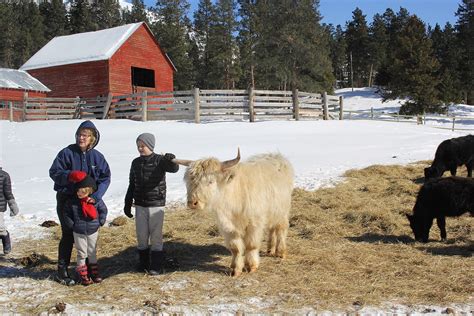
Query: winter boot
pixel 93 269
pixel 7 245
pixel 157 263
pixel 143 260
pixel 83 275
pixel 63 275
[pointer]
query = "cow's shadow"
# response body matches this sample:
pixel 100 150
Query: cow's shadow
pixel 448 250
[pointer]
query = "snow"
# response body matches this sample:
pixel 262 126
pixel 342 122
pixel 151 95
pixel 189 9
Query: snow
pixel 320 151
pixel 18 79
pixel 81 47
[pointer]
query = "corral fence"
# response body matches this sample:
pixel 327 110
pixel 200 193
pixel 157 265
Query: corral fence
pixel 444 121
pixel 193 105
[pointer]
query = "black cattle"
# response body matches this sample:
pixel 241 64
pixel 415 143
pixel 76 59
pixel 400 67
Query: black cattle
pixel 450 154
pixel 438 198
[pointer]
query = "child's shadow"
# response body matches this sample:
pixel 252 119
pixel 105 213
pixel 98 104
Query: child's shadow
pixel 179 257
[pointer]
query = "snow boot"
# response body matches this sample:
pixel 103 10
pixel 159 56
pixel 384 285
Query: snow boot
pixel 63 275
pixel 7 245
pixel 157 264
pixel 93 269
pixel 143 260
pixel 83 275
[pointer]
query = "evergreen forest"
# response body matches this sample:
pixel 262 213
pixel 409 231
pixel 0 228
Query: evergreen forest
pixel 268 44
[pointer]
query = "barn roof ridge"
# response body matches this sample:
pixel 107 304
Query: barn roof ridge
pixel 19 79
pixel 81 47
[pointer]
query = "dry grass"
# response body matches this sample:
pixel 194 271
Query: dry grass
pixel 350 246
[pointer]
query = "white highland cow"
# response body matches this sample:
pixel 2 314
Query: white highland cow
pixel 247 198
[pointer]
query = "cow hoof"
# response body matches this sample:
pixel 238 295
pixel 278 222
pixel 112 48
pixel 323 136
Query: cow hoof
pixel 252 269
pixel 235 273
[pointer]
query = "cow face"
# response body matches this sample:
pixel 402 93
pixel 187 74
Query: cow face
pixel 431 172
pixel 420 227
pixel 202 177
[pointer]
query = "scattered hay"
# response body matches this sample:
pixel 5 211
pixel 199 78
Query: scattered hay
pixel 350 246
pixel 119 221
pixel 49 223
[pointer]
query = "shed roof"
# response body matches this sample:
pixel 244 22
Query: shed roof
pixel 81 47
pixel 19 79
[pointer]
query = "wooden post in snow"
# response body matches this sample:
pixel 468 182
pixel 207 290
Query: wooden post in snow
pixel 144 106
pixel 197 103
pixel 296 105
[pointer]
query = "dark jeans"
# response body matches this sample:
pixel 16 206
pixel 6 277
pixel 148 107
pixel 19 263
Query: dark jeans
pixel 67 239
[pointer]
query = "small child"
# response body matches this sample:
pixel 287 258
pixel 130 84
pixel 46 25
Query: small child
pixel 6 197
pixel 147 188
pixel 85 218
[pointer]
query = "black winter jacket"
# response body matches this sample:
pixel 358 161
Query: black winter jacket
pixel 5 190
pixel 147 181
pixel 76 221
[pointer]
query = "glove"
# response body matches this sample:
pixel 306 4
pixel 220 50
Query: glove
pixel 128 211
pixel 76 176
pixel 13 207
pixel 169 156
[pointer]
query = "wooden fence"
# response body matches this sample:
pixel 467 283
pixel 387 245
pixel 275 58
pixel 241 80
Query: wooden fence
pixel 192 105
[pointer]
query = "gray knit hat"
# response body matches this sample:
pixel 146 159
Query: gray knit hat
pixel 148 139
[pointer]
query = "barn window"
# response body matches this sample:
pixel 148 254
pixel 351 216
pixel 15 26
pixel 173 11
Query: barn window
pixel 143 77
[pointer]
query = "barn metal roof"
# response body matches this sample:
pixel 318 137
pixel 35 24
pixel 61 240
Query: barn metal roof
pixel 19 79
pixel 81 47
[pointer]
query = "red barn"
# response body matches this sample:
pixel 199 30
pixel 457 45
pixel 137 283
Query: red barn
pixel 119 60
pixel 13 85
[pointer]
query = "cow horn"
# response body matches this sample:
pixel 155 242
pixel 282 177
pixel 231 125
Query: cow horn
pixel 182 161
pixel 230 163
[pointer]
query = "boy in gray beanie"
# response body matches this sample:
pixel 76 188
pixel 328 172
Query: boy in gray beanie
pixel 147 190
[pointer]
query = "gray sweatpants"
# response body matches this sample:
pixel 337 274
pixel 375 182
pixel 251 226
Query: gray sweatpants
pixel 86 246
pixel 149 227
pixel 3 228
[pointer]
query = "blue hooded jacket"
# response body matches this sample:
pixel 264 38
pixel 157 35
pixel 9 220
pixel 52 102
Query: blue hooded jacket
pixel 91 162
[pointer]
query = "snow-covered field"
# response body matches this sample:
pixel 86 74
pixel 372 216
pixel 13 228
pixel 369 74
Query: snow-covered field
pixel 320 151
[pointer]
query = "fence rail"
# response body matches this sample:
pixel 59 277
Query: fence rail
pixel 193 105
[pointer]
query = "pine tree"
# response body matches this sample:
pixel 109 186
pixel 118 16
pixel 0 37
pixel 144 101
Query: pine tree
pixel 224 68
pixel 81 17
pixel 54 17
pixel 413 70
pixel 358 48
pixel 137 14
pixel 107 13
pixel 248 31
pixel 204 18
pixel 172 32
pixel 338 55
pixel 378 46
pixel 465 29
pixel 446 52
pixel 8 25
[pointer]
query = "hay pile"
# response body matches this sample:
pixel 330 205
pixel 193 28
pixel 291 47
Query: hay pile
pixel 350 246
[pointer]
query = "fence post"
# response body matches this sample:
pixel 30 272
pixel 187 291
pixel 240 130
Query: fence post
pixel 251 105
pixel 25 105
pixel 107 106
pixel 454 118
pixel 10 108
pixel 197 118
pixel 341 108
pixel 325 106
pixel 296 105
pixel 144 106
pixel 371 113
pixel 77 110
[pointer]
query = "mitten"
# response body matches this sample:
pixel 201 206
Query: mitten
pixel 13 207
pixel 76 176
pixel 128 211
pixel 169 156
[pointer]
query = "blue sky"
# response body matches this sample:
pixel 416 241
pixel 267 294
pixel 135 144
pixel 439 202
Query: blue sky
pixel 340 11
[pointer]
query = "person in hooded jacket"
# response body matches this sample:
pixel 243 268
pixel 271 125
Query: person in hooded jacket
pixel 6 198
pixel 80 156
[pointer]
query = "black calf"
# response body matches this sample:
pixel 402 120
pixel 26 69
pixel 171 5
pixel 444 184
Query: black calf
pixel 438 198
pixel 450 154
